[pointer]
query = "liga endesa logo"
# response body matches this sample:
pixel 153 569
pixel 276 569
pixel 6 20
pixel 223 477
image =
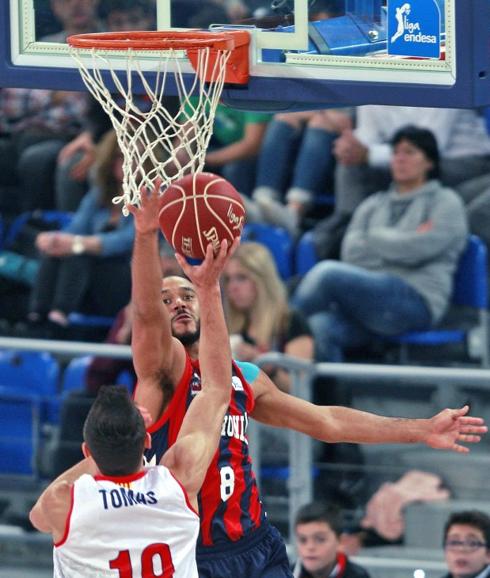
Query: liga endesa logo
pixel 414 28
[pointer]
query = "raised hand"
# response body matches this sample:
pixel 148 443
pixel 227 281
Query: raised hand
pixel 146 215
pixel 451 427
pixel 208 272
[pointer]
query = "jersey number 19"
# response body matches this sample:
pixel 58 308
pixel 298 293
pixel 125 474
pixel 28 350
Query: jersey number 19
pixel 123 562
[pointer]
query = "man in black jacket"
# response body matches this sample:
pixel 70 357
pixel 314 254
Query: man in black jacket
pixel 318 529
pixel 467 545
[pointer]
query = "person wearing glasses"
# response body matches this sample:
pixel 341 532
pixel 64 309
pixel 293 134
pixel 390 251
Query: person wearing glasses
pixel 467 545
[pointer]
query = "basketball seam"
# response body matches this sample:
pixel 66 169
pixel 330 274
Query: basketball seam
pixel 217 216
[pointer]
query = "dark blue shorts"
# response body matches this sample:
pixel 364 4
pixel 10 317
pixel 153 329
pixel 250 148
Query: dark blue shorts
pixel 259 555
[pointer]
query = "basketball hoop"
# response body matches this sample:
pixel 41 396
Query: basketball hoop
pixel 156 143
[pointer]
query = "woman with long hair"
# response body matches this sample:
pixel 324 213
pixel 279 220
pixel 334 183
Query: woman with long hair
pixel 258 315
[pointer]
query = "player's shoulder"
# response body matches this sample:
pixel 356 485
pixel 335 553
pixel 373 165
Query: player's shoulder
pixel 250 371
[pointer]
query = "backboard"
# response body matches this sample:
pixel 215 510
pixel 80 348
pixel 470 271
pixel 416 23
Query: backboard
pixel 304 53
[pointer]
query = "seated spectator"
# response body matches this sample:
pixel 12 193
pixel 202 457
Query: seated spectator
pixel 90 258
pixel 363 155
pixel 34 126
pixel 75 17
pixel 363 160
pixel 76 158
pixel 235 145
pixel 258 316
pixel 296 162
pixel 467 545
pixel 317 534
pixel 398 257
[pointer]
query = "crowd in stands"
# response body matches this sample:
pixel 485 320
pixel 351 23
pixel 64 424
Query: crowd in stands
pixel 405 187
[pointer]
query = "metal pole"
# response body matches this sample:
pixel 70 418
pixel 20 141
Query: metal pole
pixel 300 454
pixel 72 348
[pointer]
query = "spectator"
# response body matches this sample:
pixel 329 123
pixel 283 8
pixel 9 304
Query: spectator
pixel 363 155
pixel 90 259
pixel 75 17
pixel 258 316
pixel 317 533
pixel 122 15
pixel 235 145
pixel 467 545
pixel 301 143
pixel 34 126
pixel 399 256
pixel 76 158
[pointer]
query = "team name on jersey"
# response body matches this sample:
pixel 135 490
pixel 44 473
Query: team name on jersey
pixel 123 497
pixel 195 384
pixel 235 426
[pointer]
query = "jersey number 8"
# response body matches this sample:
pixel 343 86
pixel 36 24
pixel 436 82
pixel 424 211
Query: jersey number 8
pixel 227 482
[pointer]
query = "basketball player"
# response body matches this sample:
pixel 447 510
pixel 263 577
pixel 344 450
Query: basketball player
pixel 125 520
pixel 236 539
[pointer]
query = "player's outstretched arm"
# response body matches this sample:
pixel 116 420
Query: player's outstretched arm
pixel 198 439
pixel 157 355
pixel 446 430
pixel 50 512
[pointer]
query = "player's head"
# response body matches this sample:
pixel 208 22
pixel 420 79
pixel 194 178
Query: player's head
pixel 124 15
pixel 317 529
pixel 467 543
pixel 76 15
pixel 179 296
pixel 253 289
pixel 114 432
pixel 415 151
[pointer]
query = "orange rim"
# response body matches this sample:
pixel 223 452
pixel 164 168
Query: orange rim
pixel 157 40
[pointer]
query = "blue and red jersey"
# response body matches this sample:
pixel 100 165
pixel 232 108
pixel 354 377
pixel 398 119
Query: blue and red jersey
pixel 229 503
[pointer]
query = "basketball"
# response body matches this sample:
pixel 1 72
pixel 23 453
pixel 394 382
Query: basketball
pixel 199 209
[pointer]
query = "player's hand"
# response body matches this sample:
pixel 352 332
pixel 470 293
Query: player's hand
pixel 207 273
pixel 146 215
pixel 451 427
pixel 145 414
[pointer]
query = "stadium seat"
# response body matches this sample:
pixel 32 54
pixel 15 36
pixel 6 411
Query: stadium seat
pixel 19 432
pixel 305 254
pixel 471 290
pixel 277 240
pixel 29 372
pixel 75 372
pixel 32 374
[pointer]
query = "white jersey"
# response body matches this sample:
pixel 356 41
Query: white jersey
pixel 139 526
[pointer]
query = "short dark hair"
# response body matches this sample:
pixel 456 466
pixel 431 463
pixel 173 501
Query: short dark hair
pixel 115 432
pixel 422 139
pixel 473 518
pixel 320 512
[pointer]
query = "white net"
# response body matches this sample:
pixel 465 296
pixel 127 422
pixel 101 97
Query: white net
pixel 157 143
